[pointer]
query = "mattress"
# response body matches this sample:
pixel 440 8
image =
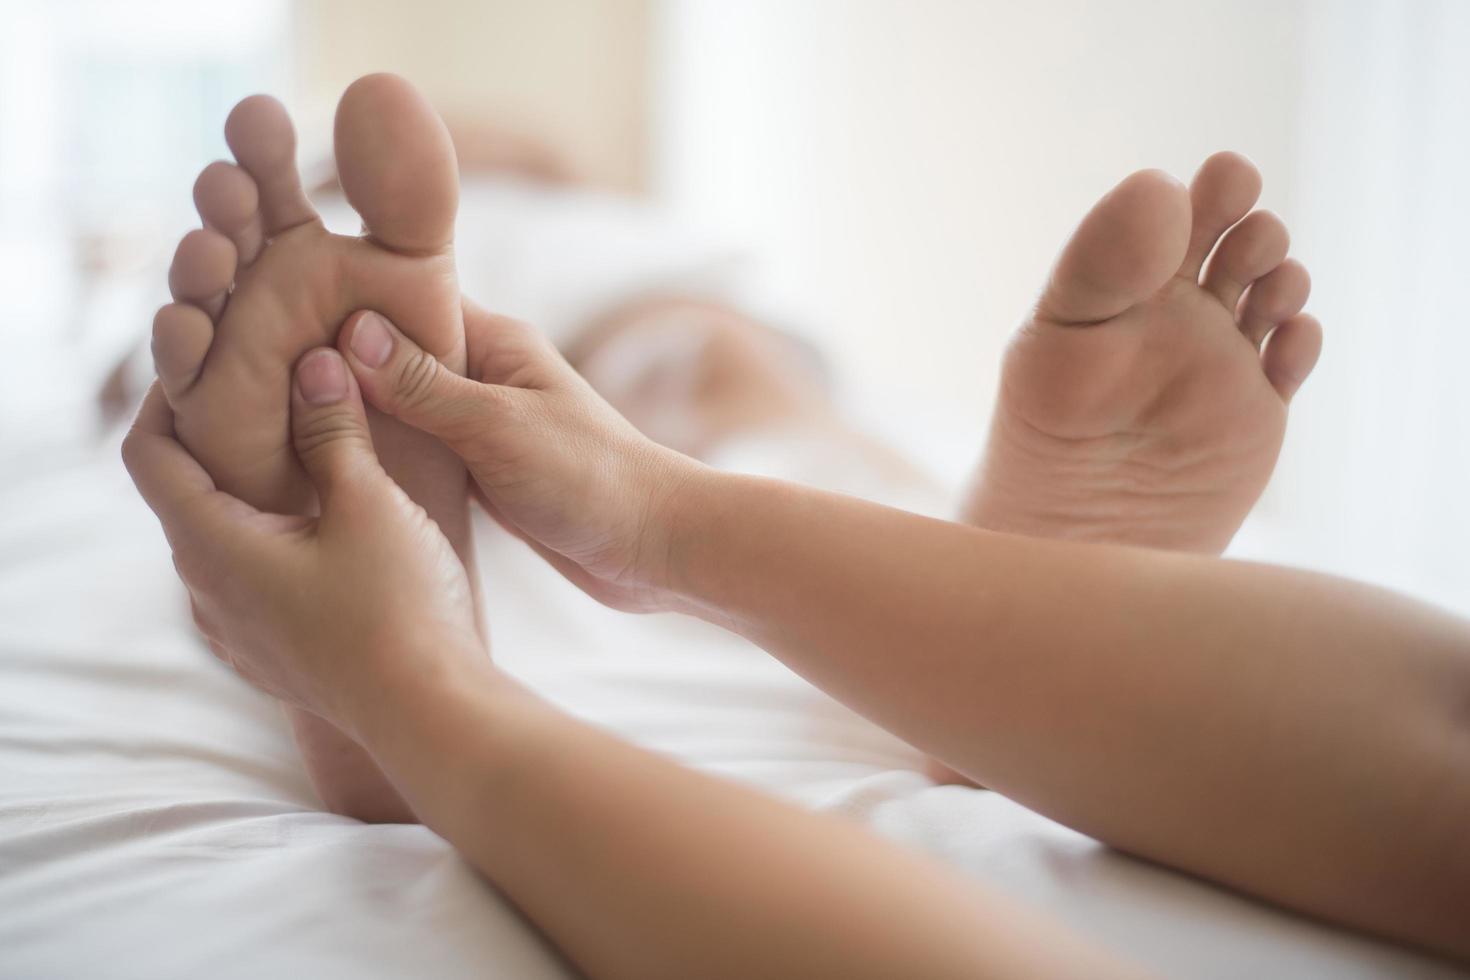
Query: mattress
pixel 155 821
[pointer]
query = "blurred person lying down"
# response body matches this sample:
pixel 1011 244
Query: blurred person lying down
pixel 1068 637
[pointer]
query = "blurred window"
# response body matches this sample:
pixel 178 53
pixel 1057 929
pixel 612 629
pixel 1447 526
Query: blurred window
pixel 108 108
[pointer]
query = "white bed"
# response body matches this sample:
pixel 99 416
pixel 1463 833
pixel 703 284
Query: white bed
pixel 154 821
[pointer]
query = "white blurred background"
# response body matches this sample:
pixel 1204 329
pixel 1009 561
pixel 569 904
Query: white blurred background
pixel 907 169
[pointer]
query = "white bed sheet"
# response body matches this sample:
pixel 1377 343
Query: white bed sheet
pixel 155 822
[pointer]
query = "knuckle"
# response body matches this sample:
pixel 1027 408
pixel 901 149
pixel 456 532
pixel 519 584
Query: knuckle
pixel 323 429
pixel 416 378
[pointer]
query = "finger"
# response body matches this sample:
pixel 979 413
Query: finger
pixel 330 428
pixel 172 483
pixel 401 379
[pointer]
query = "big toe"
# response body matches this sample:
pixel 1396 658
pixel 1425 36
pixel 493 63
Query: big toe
pixel 396 163
pixel 1129 245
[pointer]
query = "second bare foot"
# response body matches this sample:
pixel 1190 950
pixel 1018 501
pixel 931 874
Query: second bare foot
pixel 1145 401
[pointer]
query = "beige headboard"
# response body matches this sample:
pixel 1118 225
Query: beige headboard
pixel 574 72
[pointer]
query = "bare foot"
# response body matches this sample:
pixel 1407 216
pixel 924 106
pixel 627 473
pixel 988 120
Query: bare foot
pixel 263 282
pixel 1145 401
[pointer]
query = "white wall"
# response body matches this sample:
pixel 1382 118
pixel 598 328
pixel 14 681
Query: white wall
pixel 911 166
pixel 1375 479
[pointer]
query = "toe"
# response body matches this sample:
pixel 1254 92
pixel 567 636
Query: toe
pixel 202 270
pixel 1248 251
pixel 1223 191
pixel 228 201
pixel 1128 246
pixel 1274 298
pixel 182 334
pixel 260 135
pixel 396 164
pixel 1291 353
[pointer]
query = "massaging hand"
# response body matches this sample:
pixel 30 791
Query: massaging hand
pixel 316 611
pixel 341 614
pixel 552 461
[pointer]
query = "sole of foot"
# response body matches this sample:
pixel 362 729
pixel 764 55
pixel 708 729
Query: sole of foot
pixel 1145 400
pixel 263 282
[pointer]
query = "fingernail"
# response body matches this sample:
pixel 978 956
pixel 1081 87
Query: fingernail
pixel 371 341
pixel 322 377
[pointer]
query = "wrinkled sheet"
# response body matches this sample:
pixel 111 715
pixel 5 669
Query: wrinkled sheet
pixel 155 821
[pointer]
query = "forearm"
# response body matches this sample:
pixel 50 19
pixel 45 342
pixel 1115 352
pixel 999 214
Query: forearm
pixel 1287 733
pixel 635 867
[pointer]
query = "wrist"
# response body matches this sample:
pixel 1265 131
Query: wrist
pixel 696 517
pixel 673 488
pixel 460 741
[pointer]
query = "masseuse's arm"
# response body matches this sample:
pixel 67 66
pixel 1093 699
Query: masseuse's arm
pixel 635 867
pixel 1290 734
pixel 631 865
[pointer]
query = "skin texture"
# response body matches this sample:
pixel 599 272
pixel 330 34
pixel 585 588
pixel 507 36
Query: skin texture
pixel 1145 400
pixel 1214 716
pixel 551 461
pixel 365 617
pixel 1137 405
pixel 1219 717
pixel 263 282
